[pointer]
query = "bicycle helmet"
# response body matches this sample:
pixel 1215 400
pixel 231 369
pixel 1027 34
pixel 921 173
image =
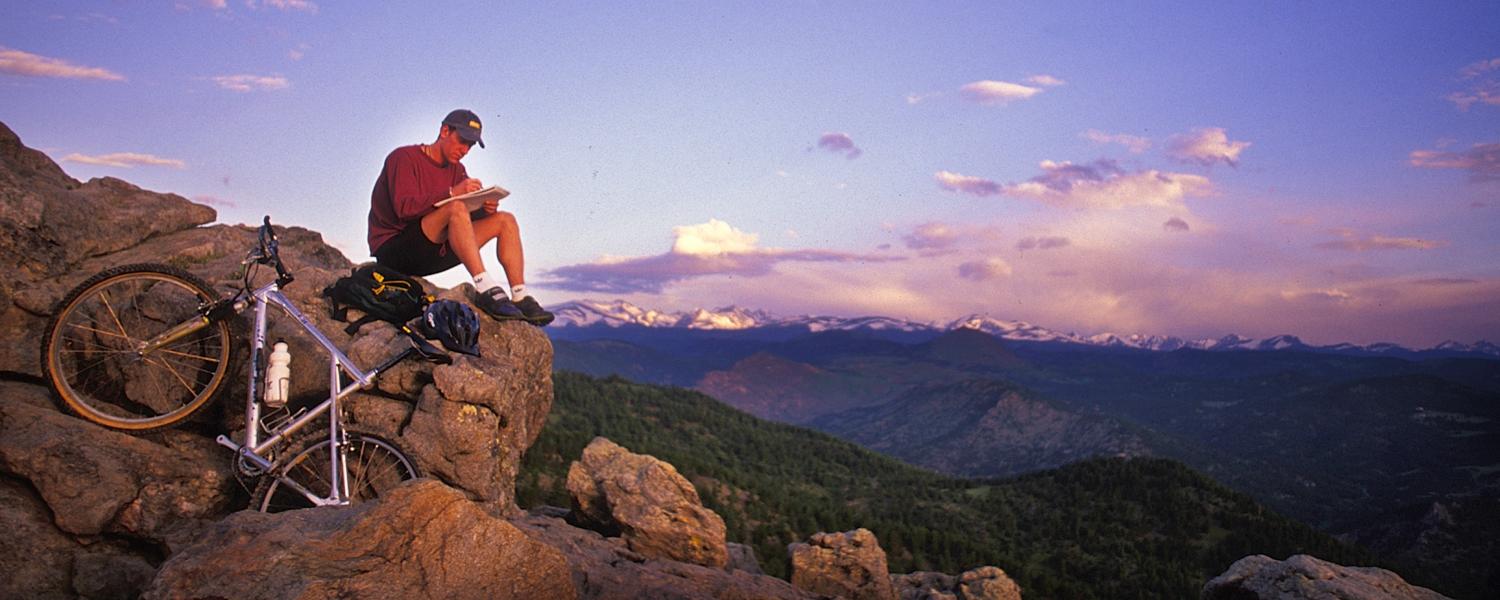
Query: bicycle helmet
pixel 452 323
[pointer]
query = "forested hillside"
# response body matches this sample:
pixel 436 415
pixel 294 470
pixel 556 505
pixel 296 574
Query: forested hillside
pixel 1106 528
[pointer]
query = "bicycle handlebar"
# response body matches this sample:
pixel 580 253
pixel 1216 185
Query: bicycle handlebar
pixel 268 252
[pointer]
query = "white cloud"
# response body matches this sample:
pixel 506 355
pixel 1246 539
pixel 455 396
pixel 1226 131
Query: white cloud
pixel 1046 242
pixel 997 92
pixel 1484 86
pixel 931 236
pixel 1357 242
pixel 1482 161
pixel 302 5
pixel 915 98
pixel 1135 144
pixel 702 250
pixel 299 52
pixel 712 238
pixel 1102 184
pixel 984 270
pixel 1206 146
pixel 215 201
pixel 1045 80
pixel 32 65
pixel 955 182
pixel 839 143
pixel 247 83
pixel 126 160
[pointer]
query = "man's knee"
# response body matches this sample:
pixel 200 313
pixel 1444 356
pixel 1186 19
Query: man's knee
pixel 503 222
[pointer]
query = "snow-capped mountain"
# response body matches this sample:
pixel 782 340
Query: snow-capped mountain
pixel 619 313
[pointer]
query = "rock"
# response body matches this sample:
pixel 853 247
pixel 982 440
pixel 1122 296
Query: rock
pixel 606 569
pixel 925 585
pixel 423 540
pixel 99 481
pixel 115 575
pixel 32 548
pixel 742 558
pixel 653 507
pixel 849 565
pixel 49 223
pixel 37 555
pixel 1310 578
pixel 987 583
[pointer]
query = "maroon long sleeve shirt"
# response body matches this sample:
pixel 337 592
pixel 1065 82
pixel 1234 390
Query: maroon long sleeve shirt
pixel 408 186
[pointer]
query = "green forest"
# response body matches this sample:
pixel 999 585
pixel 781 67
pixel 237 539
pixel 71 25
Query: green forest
pixel 1102 528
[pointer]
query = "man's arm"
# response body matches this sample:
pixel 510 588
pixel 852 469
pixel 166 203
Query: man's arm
pixel 408 198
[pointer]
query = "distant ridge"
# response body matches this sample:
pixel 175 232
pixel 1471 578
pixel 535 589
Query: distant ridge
pixel 619 313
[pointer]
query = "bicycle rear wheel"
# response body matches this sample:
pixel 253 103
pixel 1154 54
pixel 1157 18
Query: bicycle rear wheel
pixel 89 350
pixel 375 466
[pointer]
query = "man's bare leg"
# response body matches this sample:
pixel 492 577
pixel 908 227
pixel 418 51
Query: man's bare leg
pixel 502 228
pixel 451 223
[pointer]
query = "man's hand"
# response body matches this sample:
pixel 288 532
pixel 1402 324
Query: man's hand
pixel 463 187
pixel 490 206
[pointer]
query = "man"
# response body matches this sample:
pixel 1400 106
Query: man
pixel 407 233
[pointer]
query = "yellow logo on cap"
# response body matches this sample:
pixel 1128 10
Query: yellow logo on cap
pixel 474 124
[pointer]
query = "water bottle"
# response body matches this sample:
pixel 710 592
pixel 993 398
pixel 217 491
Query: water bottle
pixel 278 376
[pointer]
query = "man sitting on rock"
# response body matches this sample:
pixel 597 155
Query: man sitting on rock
pixel 411 235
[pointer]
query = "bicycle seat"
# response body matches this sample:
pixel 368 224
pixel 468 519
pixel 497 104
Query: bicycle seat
pixel 425 350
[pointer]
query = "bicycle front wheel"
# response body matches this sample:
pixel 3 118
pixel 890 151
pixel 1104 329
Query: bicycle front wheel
pixel 374 466
pixel 90 350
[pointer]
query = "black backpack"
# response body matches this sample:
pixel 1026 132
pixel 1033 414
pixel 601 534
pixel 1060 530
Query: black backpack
pixel 382 293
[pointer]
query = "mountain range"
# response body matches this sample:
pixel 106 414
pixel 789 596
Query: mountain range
pixel 619 313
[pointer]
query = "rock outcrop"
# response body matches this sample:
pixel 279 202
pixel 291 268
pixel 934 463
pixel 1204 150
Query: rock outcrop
pixel 984 583
pixel 97 481
pixel 1304 577
pixel 647 502
pixel 110 507
pixel 848 565
pixel 605 568
pixel 423 540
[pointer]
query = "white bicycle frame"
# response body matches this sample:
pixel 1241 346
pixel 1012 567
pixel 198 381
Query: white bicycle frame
pixel 254 450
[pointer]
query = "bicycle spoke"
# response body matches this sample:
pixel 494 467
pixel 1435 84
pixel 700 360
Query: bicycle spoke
pixel 175 375
pixel 193 366
pixel 104 297
pixel 189 355
pixel 101 331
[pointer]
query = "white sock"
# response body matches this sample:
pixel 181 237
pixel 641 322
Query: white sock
pixel 485 283
pixel 517 292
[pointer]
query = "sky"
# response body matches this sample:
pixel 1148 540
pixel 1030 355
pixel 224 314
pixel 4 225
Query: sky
pixel 1324 169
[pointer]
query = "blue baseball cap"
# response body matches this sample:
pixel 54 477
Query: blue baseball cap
pixel 466 123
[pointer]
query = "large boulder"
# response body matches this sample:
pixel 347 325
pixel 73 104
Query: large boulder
pixel 1304 577
pixel 50 222
pixel 849 565
pixel 423 540
pixel 42 562
pixel 653 507
pixel 605 568
pixel 97 481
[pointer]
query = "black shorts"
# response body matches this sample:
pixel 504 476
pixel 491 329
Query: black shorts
pixel 410 252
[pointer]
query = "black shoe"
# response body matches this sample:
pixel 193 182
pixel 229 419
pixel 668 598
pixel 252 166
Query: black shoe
pixel 534 312
pixel 494 303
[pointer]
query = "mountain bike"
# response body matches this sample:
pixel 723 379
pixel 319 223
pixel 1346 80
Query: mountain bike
pixel 145 346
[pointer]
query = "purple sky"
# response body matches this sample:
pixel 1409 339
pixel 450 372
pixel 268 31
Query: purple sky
pixel 1330 170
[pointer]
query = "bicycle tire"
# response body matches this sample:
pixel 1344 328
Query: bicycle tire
pixel 375 466
pixel 89 360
